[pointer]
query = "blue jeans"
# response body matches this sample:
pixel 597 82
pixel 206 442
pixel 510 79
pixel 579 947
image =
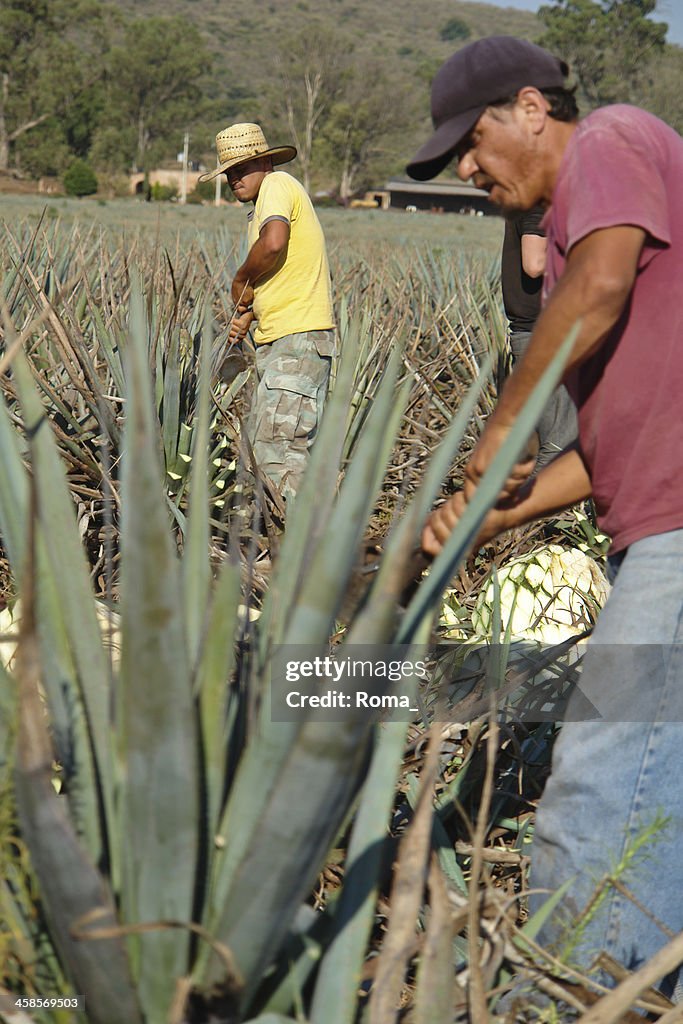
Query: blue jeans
pixel 610 778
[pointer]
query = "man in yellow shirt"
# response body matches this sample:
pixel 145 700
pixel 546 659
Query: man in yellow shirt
pixel 284 287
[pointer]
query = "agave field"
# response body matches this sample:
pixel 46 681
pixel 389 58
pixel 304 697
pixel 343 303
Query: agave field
pixel 171 853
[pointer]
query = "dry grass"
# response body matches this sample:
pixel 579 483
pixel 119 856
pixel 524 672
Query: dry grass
pixel 367 231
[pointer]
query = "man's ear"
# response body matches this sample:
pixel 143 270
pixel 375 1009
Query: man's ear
pixel 534 106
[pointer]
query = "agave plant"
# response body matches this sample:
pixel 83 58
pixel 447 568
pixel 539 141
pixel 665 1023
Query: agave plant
pixel 68 291
pixel 163 833
pixel 175 858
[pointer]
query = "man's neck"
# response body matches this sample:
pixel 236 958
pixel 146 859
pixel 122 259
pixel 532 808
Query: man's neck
pixel 559 137
pixel 265 174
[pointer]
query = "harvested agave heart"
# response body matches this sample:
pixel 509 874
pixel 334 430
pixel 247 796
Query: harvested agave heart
pixel 547 596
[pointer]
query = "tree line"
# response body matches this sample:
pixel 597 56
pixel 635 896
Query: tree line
pixel 80 79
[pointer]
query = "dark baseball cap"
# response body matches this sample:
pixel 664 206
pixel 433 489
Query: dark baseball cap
pixel 473 78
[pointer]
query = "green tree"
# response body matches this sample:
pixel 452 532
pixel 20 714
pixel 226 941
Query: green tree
pixel 50 69
pixel 153 89
pixel 363 128
pixel 44 151
pixel 609 44
pixel 309 71
pixel 662 94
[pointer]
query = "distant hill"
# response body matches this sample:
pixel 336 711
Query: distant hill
pixel 406 30
pixel 408 35
pixel 407 39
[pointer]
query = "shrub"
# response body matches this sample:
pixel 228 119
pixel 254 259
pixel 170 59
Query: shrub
pixel 80 179
pixel 113 184
pixel 455 28
pixel 205 191
pixel 163 193
pixel 326 202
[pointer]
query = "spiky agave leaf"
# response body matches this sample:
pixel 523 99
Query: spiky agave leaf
pixel 155 721
pixel 283 754
pixel 335 999
pixel 71 886
pixel 64 834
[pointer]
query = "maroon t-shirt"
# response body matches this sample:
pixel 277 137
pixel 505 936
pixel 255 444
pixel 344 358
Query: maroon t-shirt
pixel 624 166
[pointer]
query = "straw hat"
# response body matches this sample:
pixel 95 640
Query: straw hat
pixel 242 142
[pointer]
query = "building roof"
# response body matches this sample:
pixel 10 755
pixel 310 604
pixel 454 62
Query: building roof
pixel 436 188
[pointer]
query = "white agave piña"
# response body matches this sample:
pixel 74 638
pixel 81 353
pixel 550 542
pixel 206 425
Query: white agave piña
pixel 452 617
pixel 10 624
pixel 548 595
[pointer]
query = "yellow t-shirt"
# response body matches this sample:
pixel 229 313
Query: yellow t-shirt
pixel 297 296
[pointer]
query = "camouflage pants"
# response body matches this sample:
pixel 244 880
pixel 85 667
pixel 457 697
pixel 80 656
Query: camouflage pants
pixel 293 375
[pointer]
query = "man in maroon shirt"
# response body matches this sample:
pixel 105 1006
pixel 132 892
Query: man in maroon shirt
pixel 612 186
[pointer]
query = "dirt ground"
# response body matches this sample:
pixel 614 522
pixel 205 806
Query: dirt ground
pixel 9 184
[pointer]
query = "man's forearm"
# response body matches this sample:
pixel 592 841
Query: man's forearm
pixel 563 483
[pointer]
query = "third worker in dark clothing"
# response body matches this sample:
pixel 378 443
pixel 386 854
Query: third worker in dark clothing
pixel 522 267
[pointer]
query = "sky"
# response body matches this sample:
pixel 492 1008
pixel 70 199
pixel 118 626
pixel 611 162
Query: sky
pixel 670 11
